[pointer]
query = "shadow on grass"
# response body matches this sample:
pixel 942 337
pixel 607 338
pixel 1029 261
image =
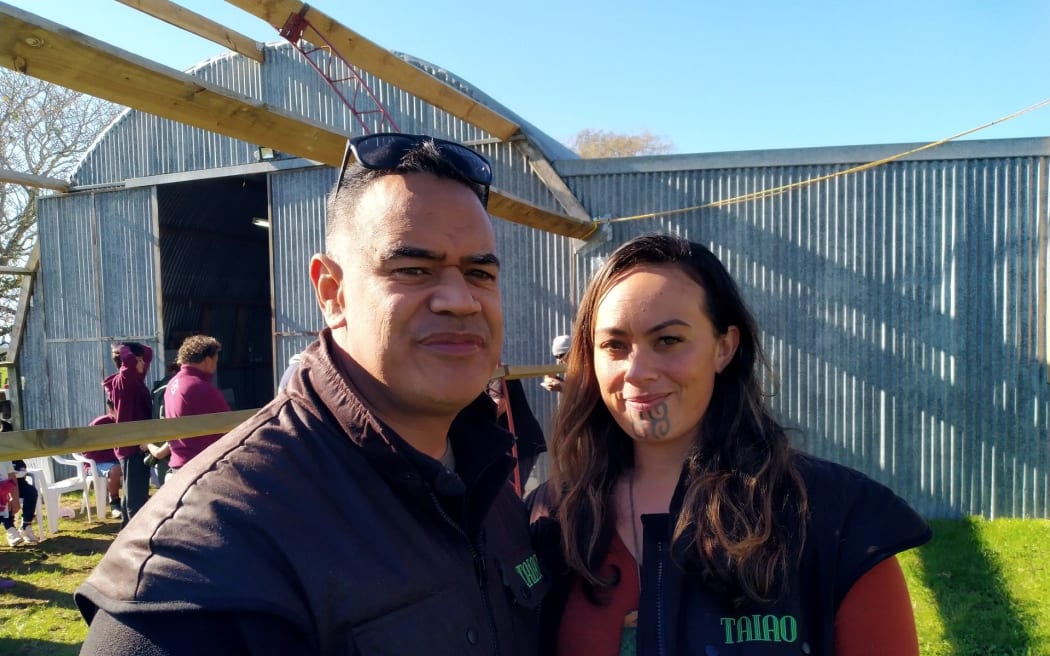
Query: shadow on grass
pixel 62 558
pixel 980 616
pixel 25 647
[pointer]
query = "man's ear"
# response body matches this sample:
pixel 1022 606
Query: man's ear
pixel 727 344
pixel 327 278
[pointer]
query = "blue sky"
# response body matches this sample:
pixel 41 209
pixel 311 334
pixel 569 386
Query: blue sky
pixel 706 76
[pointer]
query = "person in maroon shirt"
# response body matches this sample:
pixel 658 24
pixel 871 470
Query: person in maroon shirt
pixel 132 401
pixel 107 463
pixel 191 392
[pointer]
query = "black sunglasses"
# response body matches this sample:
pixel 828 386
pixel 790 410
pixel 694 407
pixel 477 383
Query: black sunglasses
pixel 384 151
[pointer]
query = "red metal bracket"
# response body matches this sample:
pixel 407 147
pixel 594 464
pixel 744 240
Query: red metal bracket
pixel 362 101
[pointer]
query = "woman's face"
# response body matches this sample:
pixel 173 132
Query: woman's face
pixel 656 354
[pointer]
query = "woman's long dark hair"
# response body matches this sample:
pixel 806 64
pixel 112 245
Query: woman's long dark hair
pixel 744 509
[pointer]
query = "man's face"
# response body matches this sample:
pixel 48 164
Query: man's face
pixel 411 292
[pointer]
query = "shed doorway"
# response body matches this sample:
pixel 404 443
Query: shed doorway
pixel 215 279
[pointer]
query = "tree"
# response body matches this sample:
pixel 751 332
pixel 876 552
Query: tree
pixel 44 130
pixel 602 143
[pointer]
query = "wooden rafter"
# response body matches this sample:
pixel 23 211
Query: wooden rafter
pixel 384 64
pixel 202 26
pixel 30 180
pixel 34 46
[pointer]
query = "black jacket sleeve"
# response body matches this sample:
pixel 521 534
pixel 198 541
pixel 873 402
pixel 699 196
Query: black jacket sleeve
pixel 197 633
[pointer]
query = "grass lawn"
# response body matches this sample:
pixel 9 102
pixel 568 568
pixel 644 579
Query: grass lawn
pixel 979 588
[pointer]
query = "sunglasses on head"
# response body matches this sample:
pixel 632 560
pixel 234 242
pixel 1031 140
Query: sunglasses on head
pixel 384 151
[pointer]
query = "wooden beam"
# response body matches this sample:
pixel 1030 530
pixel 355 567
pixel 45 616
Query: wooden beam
pixel 58 441
pixel 384 64
pixel 34 46
pixel 30 180
pixel 16 271
pixel 202 26
pixel 545 172
pixel 24 295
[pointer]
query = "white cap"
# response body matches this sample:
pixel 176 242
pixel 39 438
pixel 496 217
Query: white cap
pixel 561 345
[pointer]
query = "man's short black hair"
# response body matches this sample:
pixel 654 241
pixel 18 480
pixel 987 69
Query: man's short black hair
pixel 424 158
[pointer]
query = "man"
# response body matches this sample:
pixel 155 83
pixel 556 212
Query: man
pixel 131 400
pixel 366 509
pixel 191 392
pixel 560 351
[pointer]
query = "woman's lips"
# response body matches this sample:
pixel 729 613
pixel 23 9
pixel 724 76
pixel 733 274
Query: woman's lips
pixel 646 402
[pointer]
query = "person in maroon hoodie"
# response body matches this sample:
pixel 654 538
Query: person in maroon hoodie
pixel 132 401
pixel 107 463
pixel 191 392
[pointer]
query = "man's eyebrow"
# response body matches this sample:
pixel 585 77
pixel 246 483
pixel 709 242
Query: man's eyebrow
pixel 412 252
pixel 484 259
pixel 416 253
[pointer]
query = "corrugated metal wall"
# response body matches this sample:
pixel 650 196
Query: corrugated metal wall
pixel 98 277
pixel 904 309
pixel 297 225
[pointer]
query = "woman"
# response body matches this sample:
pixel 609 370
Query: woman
pixel 669 469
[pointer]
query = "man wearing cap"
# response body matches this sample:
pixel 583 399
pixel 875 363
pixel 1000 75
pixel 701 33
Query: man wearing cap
pixel 560 350
pixel 366 509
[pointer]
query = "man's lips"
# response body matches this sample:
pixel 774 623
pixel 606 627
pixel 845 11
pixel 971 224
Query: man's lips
pixel 454 343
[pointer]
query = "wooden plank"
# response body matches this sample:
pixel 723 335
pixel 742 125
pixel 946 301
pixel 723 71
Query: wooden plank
pixel 202 26
pixel 46 442
pixel 510 207
pixel 30 180
pixel 57 441
pixel 34 46
pixel 545 172
pixel 384 64
pixel 24 294
pixel 16 271
pixel 37 47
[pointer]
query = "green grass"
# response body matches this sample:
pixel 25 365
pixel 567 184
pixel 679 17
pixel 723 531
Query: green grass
pixel 979 588
pixel 982 588
pixel 38 615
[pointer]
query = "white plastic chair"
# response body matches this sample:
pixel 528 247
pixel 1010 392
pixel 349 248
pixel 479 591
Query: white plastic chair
pixel 99 481
pixel 51 491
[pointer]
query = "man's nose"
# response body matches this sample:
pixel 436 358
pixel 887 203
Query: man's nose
pixel 454 295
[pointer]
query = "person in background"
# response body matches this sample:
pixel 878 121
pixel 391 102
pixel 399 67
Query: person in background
pixel 131 400
pixel 289 371
pixel 516 416
pixel 191 392
pixel 17 494
pixel 560 351
pixel 365 510
pixel 157 458
pixel 107 464
pixel 680 516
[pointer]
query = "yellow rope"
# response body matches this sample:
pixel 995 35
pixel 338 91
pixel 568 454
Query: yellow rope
pixel 775 191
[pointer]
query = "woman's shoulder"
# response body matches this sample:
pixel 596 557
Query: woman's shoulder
pixel 854 519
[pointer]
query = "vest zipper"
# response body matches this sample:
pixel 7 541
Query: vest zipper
pixel 480 571
pixel 661 640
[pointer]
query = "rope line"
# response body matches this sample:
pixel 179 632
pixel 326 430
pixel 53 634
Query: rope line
pixel 776 191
